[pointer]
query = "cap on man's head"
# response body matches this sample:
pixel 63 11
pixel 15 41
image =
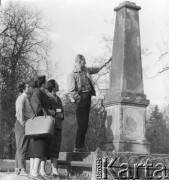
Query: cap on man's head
pixel 78 58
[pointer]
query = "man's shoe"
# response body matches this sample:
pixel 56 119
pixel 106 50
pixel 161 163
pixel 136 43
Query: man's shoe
pixel 77 150
pixel 23 173
pixel 17 171
pixel 80 149
pixel 84 149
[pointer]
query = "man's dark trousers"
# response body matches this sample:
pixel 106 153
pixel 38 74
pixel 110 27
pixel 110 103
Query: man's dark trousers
pixel 82 116
pixel 21 146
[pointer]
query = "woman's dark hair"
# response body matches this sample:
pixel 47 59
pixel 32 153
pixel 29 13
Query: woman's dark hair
pixel 38 81
pixel 51 84
pixel 21 86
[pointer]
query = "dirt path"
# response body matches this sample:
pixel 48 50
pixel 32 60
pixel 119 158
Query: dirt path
pixel 11 176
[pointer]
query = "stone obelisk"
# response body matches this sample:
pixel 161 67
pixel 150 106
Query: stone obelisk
pixel 125 100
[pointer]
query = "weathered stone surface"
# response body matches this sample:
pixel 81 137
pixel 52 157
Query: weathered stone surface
pixel 133 159
pixel 128 4
pixel 101 158
pixel 125 129
pixel 125 100
pixel 126 122
pixel 69 156
pixel 126 80
pixel 132 164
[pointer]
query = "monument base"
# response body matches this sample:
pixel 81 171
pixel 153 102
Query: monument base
pixel 125 129
pixel 121 145
pixel 131 146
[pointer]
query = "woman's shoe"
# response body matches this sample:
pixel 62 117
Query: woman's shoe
pixel 55 176
pixel 17 171
pixel 45 176
pixel 23 172
pixel 38 177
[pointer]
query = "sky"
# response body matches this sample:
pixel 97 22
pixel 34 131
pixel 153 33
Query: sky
pixel 77 26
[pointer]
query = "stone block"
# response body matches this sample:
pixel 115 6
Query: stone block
pixel 125 129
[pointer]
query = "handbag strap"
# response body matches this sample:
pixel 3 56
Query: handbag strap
pixel 44 112
pixel 33 111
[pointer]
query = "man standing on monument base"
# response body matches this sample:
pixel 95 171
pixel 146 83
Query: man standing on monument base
pixel 80 90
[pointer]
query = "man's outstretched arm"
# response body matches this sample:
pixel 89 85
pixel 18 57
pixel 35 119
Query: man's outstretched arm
pixel 94 70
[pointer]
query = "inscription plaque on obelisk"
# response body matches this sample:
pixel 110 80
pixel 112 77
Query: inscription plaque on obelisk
pixel 125 100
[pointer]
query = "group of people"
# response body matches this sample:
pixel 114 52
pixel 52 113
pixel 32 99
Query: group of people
pixel 35 100
pixel 39 98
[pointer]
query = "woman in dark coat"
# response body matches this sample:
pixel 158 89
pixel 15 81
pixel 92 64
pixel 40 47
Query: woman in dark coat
pixel 55 142
pixel 38 145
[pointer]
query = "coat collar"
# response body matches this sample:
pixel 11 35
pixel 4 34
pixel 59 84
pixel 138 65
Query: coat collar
pixel 76 69
pixel 24 94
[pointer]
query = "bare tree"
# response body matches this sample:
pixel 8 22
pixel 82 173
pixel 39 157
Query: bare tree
pixel 164 55
pixel 23 50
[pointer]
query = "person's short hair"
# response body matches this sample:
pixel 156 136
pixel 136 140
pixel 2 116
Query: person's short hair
pixel 21 86
pixel 78 58
pixel 51 84
pixel 38 81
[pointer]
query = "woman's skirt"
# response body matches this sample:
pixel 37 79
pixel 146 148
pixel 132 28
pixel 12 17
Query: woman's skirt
pixel 54 143
pixel 38 147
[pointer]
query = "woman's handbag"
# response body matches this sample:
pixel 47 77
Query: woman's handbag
pixel 42 126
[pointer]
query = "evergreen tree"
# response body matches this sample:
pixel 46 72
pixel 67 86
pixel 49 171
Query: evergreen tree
pixel 156 132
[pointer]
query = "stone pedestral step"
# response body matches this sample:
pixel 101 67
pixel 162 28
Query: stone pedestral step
pixel 97 165
pixel 76 164
pixel 70 165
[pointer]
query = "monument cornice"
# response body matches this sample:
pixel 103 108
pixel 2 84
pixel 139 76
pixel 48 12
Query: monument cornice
pixel 127 4
pixel 125 140
pixel 127 101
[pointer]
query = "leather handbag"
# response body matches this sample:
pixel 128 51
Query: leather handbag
pixel 39 126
